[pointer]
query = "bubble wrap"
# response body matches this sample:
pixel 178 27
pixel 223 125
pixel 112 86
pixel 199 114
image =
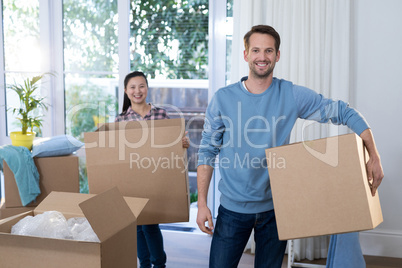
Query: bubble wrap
pixel 52 224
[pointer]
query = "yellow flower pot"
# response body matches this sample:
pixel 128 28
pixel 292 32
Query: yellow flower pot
pixel 19 139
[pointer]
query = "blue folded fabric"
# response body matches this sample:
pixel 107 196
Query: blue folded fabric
pixel 345 251
pixel 20 161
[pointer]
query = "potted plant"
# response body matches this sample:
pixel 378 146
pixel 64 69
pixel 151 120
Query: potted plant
pixel 28 112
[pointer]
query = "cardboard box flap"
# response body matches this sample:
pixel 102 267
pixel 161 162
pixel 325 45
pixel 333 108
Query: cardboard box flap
pixel 90 205
pixel 67 203
pixel 108 213
pixel 136 204
pixel 125 125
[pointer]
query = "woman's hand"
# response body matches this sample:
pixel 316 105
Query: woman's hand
pixel 185 141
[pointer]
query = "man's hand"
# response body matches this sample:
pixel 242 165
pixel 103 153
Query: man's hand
pixel 375 173
pixel 204 174
pixel 203 215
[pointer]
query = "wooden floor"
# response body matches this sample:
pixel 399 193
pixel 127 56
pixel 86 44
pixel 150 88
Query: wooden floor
pixel 186 249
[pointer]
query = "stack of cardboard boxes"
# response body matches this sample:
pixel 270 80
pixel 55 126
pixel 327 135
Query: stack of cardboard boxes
pixel 142 161
pixel 56 174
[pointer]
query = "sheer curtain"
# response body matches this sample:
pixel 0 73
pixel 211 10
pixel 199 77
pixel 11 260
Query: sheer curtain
pixel 315 48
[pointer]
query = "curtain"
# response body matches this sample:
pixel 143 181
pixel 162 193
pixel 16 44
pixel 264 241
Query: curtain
pixel 315 52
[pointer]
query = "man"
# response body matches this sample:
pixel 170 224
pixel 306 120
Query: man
pixel 242 120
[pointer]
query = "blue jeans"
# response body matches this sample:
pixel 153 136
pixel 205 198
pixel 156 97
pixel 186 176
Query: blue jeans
pixel 345 251
pixel 150 246
pixel 231 234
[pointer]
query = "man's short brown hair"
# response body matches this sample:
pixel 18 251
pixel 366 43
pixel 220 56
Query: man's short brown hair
pixel 263 29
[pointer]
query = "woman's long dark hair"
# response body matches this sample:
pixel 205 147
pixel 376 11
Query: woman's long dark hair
pixel 126 101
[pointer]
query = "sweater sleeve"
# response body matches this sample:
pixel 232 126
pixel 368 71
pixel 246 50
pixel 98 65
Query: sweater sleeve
pixel 211 135
pixel 313 106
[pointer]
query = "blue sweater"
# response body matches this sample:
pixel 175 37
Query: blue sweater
pixel 239 126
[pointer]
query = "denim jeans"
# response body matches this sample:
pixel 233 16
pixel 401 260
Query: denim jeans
pixel 150 246
pixel 231 234
pixel 345 252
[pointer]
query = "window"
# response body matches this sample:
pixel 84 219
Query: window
pixel 90 64
pixel 175 49
pixel 169 41
pixel 21 49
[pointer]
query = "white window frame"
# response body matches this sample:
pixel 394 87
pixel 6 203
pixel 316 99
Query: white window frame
pixel 51 29
pixel 217 78
pixel 3 117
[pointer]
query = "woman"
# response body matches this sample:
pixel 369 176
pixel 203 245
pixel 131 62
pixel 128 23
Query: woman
pixel 135 108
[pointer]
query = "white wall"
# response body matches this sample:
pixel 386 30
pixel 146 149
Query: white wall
pixel 377 58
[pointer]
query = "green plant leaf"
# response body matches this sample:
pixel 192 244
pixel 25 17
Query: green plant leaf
pixel 31 104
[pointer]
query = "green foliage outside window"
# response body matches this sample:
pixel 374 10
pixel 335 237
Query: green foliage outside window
pixel 90 29
pixel 83 105
pixel 170 38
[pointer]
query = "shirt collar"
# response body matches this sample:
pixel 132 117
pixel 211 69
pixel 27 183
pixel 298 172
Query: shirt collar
pixel 131 111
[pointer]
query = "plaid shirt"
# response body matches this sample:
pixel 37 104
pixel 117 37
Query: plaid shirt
pixel 155 113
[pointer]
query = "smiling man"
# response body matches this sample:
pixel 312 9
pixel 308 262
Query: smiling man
pixel 241 121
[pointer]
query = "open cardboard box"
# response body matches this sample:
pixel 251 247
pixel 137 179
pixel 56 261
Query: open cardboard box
pixel 112 217
pixel 320 187
pixel 60 173
pixel 143 159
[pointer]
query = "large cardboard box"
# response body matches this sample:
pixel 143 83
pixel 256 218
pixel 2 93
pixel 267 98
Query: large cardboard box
pixel 320 187
pixel 143 159
pixel 59 173
pixel 112 217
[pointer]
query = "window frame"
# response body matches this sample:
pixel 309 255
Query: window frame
pixel 3 115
